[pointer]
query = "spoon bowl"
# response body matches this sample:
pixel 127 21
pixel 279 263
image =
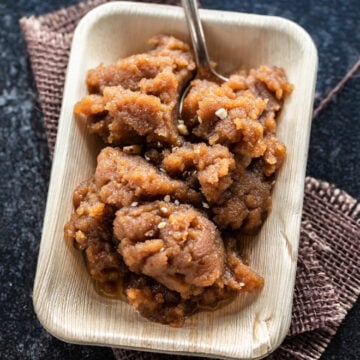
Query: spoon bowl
pixel 203 64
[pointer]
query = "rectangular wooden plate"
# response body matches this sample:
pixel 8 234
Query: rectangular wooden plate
pixel 251 326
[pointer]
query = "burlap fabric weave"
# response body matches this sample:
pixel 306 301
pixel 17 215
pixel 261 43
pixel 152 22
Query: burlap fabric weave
pixel 327 282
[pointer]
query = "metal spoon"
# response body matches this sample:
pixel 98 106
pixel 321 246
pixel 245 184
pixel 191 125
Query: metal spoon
pixel 204 68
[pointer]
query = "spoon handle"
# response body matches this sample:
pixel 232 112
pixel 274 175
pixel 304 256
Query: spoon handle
pixel 197 34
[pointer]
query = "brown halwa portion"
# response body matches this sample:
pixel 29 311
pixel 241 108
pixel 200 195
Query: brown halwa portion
pixel 213 165
pixel 174 244
pixel 168 257
pixel 135 100
pixel 241 114
pixel 159 221
pixel 90 229
pixel 124 179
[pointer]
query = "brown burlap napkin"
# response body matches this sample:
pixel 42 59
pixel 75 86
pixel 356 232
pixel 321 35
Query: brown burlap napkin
pixel 327 282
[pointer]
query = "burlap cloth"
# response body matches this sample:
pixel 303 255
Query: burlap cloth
pixel 327 282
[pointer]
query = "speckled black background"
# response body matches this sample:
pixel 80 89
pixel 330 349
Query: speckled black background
pixel 25 165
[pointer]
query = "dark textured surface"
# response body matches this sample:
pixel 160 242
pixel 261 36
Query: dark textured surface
pixel 25 166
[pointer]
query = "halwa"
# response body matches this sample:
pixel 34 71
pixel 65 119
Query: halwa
pixel 160 220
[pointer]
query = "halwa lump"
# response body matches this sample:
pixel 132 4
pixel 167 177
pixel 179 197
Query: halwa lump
pixel 174 244
pixel 160 220
pixel 135 99
pixel 213 166
pixel 124 179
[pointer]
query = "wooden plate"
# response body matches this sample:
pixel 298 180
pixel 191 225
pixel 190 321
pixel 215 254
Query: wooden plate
pixel 251 326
